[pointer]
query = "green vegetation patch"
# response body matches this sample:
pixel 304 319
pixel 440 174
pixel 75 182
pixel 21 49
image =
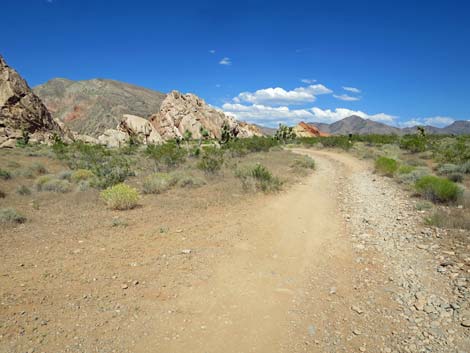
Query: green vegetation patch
pixel 120 197
pixel 11 216
pixel 258 177
pixel 386 166
pixel 438 189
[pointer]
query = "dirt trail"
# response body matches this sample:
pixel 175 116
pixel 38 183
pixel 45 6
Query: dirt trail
pixel 294 257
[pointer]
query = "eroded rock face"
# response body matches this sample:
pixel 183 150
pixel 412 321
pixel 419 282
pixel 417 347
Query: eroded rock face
pixel 113 138
pixel 21 110
pixel 308 130
pixel 187 112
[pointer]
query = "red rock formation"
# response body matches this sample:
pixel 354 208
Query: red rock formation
pixel 308 130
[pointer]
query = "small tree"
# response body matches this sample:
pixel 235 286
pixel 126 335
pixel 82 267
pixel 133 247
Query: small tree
pixel 285 133
pixel 187 137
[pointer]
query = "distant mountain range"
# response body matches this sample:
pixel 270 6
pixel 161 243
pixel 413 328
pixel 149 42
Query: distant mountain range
pixel 359 126
pixel 90 107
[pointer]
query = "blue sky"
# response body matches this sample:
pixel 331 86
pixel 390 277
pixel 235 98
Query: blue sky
pixel 400 62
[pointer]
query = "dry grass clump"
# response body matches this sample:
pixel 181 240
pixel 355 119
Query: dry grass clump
pixel 51 183
pixel 452 218
pixel 258 177
pixel 11 216
pixel 158 182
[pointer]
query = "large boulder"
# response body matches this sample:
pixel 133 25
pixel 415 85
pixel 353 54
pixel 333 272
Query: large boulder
pixel 187 112
pixel 21 111
pixel 139 128
pixel 113 138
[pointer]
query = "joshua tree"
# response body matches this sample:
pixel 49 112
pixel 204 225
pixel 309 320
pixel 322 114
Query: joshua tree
pixel 285 133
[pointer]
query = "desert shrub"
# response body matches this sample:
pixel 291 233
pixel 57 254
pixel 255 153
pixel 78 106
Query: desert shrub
pixel 448 168
pixel 13 165
pixel 413 176
pixel 120 197
pixel 56 185
pixel 423 205
pixel 40 181
pixel 38 168
pixel 158 183
pixel 437 189
pixel 169 155
pixel 453 218
pixel 453 150
pixel 23 190
pixel 258 177
pixel 405 169
pixel 65 175
pixel 413 143
pixel 84 185
pixel 5 174
pixel 111 171
pixel 240 147
pixel 342 142
pixel 212 160
pixel 465 167
pixel 10 215
pixel 81 175
pixel 455 177
pixel 185 180
pixel 304 162
pixel 386 166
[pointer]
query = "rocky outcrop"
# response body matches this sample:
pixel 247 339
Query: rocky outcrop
pixel 140 129
pixel 308 130
pixel 22 112
pixel 187 112
pixel 113 138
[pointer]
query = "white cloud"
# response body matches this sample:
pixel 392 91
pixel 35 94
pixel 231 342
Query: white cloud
pixel 225 61
pixel 346 97
pixel 438 121
pixel 352 89
pixel 212 51
pixel 329 115
pixel 279 96
pixel 271 116
pixel 308 81
pixel 218 85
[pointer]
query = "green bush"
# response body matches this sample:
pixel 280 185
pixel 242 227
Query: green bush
pixel 185 180
pixel 5 174
pixel 40 181
pixel 258 177
pixel 212 160
pixel 413 143
pixel 158 183
pixel 9 215
pixel 23 190
pixel 386 166
pixel 81 174
pixel 120 197
pixel 169 155
pixel 453 150
pixel 437 189
pixel 448 168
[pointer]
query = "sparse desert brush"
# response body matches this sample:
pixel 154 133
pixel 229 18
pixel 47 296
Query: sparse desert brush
pixel 386 166
pixel 65 175
pixel 2 194
pixel 448 168
pixel 81 174
pixel 11 216
pixel 452 218
pixel 169 155
pixel 51 183
pixel 158 182
pixel 5 174
pixel 120 197
pixel 212 160
pixel 305 162
pixel 412 176
pixel 258 177
pixel 413 143
pixel 405 169
pixel 438 189
pixel 23 190
pixel 423 205
pixel 187 180
pixel 38 168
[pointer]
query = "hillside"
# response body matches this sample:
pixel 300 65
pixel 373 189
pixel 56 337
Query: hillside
pixel 92 106
pixel 357 125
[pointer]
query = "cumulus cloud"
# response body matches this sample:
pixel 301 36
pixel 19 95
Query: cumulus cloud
pixel 346 97
pixel 212 51
pixel 225 61
pixel 308 81
pixel 438 121
pixel 279 96
pixel 271 116
pixel 352 89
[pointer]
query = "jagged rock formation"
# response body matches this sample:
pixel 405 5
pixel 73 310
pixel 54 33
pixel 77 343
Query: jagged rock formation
pixel 21 111
pixel 308 130
pixel 90 107
pixel 187 112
